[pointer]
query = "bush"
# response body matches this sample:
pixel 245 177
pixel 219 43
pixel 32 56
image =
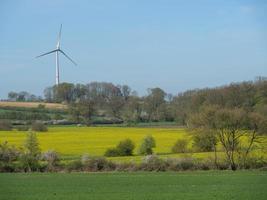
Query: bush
pixel 147 145
pixel 98 164
pixel 126 147
pixel 8 156
pixel 5 125
pixel 153 163
pixel 8 153
pixel 180 164
pixel 75 165
pixel 112 152
pixel 204 141
pixel 126 167
pixel 39 126
pixel 205 164
pixel 180 146
pixel 7 167
pixel 253 163
pixel 29 162
pixel 52 158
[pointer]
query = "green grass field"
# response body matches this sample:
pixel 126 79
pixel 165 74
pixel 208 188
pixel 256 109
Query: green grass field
pixel 210 185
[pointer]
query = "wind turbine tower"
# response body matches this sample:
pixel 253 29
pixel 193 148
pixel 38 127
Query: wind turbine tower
pixel 57 51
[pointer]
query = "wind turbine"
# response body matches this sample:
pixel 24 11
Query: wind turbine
pixel 57 51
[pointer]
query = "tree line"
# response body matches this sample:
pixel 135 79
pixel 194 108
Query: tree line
pixel 29 158
pixel 232 116
pixel 23 96
pixel 122 103
pixel 106 99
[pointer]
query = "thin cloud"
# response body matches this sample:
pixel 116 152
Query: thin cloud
pixel 247 9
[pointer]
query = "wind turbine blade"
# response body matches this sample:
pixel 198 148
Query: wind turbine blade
pixel 59 37
pixel 68 57
pixel 46 53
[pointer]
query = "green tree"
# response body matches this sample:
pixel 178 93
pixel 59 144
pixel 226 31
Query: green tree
pixel 155 104
pixel 63 92
pixel 12 96
pixel 204 140
pixel 180 146
pixel 82 111
pixel 31 156
pixel 230 125
pixel 132 110
pixel 147 145
pixel 125 147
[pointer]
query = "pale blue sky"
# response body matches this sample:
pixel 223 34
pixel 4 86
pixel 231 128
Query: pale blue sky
pixel 172 44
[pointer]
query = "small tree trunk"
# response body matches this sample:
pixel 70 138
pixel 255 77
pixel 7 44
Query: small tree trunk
pixel 233 166
pixel 215 156
pixel 252 140
pixel 232 161
pixel 233 148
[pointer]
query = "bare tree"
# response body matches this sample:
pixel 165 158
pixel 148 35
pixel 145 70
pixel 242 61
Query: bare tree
pixel 230 126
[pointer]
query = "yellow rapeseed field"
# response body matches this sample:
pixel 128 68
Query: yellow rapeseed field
pixel 75 141
pixel 72 142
